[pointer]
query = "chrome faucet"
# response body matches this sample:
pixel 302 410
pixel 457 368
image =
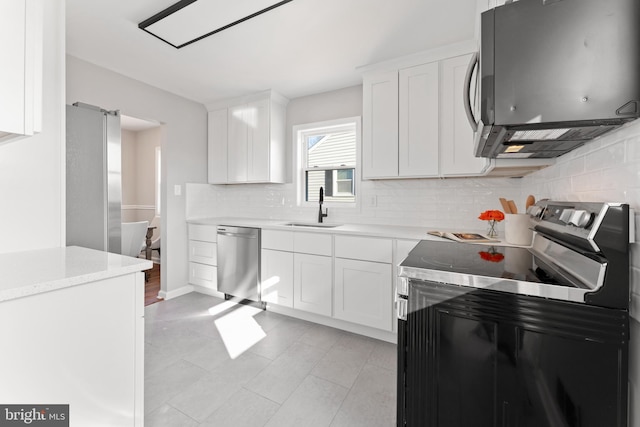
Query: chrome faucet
pixel 326 211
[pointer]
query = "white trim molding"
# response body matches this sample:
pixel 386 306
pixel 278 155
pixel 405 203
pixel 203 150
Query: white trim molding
pixel 138 207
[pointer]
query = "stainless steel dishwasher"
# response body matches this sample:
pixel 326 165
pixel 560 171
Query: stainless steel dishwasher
pixel 239 262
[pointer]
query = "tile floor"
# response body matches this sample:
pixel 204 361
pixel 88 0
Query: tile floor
pixel 209 362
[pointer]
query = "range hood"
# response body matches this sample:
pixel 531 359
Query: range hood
pixel 554 74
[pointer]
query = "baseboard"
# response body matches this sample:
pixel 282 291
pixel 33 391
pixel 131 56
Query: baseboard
pixel 208 291
pixel 176 292
pixel 367 331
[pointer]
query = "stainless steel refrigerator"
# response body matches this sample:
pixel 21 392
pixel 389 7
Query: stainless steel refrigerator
pixel 94 183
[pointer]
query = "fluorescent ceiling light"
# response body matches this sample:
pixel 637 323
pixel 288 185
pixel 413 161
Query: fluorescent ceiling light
pixel 188 21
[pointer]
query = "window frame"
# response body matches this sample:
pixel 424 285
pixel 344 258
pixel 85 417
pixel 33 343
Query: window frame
pixel 300 166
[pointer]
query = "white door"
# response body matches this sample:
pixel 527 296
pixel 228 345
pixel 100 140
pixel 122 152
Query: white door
pixel 380 126
pixel 217 147
pixel 277 277
pixel 237 147
pixel 418 121
pixel 259 142
pixel 457 146
pixel 364 293
pixel 312 283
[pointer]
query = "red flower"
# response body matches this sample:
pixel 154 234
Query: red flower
pixel 491 256
pixel 491 216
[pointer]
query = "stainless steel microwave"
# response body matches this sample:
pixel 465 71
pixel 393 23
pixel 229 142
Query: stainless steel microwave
pixel 553 74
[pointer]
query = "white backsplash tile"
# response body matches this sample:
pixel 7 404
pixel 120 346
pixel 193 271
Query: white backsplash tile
pixel 607 169
pixel 449 203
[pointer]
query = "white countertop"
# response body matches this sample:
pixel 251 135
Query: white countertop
pixel 33 272
pixel 373 230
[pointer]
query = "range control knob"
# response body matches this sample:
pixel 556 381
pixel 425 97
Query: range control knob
pixel 566 215
pixel 534 211
pixel 581 218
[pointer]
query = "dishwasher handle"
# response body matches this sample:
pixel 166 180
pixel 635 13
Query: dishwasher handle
pixel 246 236
pixel 240 232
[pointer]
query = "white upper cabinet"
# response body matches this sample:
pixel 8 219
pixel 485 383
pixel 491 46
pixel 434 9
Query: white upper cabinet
pixel 21 39
pixel 419 125
pixel 414 120
pixel 247 140
pixel 217 154
pixel 380 125
pixel 456 152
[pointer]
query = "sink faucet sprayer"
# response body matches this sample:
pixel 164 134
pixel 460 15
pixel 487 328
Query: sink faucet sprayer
pixel 326 211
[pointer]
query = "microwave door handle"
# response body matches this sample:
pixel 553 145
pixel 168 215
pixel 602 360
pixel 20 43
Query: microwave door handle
pixel 467 92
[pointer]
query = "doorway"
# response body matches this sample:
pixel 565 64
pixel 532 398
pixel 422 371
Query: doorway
pixel 141 195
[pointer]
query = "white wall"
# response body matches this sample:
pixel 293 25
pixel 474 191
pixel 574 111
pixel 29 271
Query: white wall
pixel 32 170
pixel 184 147
pixel 607 169
pixel 437 203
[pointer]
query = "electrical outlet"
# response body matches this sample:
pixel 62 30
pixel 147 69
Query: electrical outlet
pixel 373 201
pixel 177 190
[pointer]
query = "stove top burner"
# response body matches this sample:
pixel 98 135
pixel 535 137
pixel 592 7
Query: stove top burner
pixel 501 262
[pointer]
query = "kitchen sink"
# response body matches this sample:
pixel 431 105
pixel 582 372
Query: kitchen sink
pixel 312 224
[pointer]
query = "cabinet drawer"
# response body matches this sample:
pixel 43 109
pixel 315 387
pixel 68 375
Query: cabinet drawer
pixel 203 275
pixel 205 233
pixel 364 248
pixel 278 240
pixel 203 252
pixel 312 243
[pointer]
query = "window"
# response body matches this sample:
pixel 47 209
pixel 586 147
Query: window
pixel 328 153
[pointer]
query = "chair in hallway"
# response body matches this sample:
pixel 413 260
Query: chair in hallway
pixel 155 243
pixel 132 236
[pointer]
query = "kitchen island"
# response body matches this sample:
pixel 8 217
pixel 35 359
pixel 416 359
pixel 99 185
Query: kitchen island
pixel 72 325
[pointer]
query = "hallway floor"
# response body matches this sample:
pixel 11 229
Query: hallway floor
pixel 210 362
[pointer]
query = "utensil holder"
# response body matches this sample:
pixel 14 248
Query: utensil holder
pixel 517 229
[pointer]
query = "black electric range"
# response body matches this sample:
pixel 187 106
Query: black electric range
pixel 512 336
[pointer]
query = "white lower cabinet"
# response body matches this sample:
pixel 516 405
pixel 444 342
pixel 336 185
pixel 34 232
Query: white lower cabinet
pixel 363 293
pixel 203 256
pixel 203 275
pixel 277 277
pixel 62 347
pixel 312 283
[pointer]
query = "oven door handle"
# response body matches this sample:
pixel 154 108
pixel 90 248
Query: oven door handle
pixel 401 307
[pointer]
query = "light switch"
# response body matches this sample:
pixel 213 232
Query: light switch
pixel 177 190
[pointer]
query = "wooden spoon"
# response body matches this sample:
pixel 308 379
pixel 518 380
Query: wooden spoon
pixel 505 205
pixel 530 201
pixel 512 207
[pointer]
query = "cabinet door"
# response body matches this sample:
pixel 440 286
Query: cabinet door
pixel 277 277
pixel 312 283
pixel 21 32
pixel 258 144
pixel 363 293
pixel 380 126
pixel 217 147
pixel 419 118
pixel 237 143
pixel 456 147
pixel 65 348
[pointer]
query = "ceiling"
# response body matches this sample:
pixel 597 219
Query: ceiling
pixel 300 48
